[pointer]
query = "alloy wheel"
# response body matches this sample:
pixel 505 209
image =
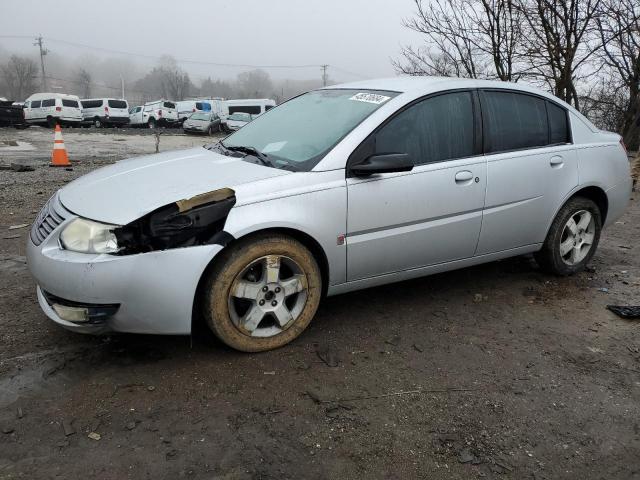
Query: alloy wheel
pixel 577 237
pixel 268 296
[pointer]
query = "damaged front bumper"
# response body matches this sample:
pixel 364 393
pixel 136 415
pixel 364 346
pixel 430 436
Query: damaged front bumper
pixel 154 291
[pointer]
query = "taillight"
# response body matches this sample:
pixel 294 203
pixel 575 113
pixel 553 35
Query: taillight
pixel 193 110
pixel 58 109
pixel 624 147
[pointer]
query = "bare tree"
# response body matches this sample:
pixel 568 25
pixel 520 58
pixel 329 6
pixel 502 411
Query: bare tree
pixel 558 42
pixel 255 83
pixel 464 38
pixel 19 75
pixel 83 82
pixel 619 30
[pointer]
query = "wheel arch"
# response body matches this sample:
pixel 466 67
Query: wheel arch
pixel 593 192
pixel 306 239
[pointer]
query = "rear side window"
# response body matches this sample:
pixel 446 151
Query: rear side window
pixel 49 102
pixel 558 124
pixel 245 109
pixel 35 104
pixel 514 121
pixel 436 129
pixel 169 105
pixel 268 107
pixel 69 103
pixel 91 103
pixel 117 104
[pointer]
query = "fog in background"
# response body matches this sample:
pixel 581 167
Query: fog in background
pixel 170 48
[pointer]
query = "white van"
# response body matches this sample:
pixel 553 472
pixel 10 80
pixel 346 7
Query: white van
pixel 154 114
pixel 254 106
pixel 52 108
pixel 105 111
pixel 205 105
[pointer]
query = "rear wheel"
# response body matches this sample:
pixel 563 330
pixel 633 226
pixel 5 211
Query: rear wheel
pixel 572 239
pixel 97 123
pixel 262 293
pixel 52 122
pixel 151 123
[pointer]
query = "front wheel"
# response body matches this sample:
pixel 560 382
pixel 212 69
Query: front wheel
pixel 262 293
pixel 572 239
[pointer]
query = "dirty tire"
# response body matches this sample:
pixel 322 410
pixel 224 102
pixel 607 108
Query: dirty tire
pixel 51 122
pixel 550 258
pixel 210 131
pixel 151 123
pixel 230 265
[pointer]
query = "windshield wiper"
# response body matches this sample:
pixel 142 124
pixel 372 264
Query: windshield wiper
pixel 263 157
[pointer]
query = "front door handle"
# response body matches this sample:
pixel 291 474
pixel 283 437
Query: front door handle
pixel 556 161
pixel 464 177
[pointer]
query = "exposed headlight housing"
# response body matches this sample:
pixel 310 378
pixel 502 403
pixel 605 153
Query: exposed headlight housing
pixel 87 236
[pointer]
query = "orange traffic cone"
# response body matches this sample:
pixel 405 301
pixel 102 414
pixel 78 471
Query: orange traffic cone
pixel 59 156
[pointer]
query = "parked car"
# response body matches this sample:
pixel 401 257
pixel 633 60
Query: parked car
pixel 160 113
pixel 254 106
pixel 105 111
pixel 202 122
pixel 236 121
pixel 336 190
pixel 11 114
pixel 187 107
pixel 53 108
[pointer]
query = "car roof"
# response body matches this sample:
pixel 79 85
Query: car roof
pixel 417 85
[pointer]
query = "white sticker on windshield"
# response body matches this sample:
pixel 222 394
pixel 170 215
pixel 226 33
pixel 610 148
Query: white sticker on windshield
pixel 370 98
pixel 274 147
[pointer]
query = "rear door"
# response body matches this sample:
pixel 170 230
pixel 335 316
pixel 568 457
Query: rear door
pixel 48 108
pixel 431 215
pixel 117 108
pixel 70 109
pixel 531 167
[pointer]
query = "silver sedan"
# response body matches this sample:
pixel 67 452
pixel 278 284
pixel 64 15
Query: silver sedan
pixel 339 189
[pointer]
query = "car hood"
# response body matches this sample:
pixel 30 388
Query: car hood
pixel 129 189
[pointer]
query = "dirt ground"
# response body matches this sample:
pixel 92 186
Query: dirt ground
pixel 496 371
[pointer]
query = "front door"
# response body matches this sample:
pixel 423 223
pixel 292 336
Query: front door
pixel 431 215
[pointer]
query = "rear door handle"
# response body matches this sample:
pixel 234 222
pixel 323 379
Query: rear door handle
pixel 556 161
pixel 464 177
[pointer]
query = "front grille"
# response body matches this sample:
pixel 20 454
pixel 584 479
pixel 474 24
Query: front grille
pixel 51 215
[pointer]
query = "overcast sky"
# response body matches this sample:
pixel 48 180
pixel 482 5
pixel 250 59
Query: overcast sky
pixel 357 36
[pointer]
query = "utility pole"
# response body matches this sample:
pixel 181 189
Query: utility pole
pixel 43 52
pixel 324 74
pixel 122 86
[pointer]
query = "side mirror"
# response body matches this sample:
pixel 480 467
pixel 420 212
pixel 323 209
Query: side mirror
pixel 385 163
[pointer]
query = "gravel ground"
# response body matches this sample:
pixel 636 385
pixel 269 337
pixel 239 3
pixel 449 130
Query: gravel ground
pixel 496 371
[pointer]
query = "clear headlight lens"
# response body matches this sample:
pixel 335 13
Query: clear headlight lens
pixel 86 236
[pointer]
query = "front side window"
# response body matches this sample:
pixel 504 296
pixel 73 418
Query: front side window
pixel 49 102
pixel 433 130
pixel 514 121
pixel 300 132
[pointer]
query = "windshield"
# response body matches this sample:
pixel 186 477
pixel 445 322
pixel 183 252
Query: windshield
pixel 200 116
pixel 241 117
pixel 301 131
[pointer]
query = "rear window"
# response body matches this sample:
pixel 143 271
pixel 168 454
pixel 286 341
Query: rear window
pixel 117 104
pixel 49 102
pixel 91 103
pixel 169 105
pixel 69 103
pixel 35 104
